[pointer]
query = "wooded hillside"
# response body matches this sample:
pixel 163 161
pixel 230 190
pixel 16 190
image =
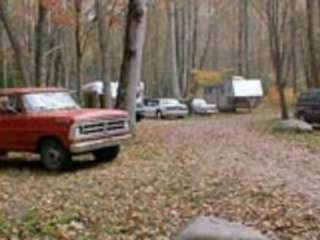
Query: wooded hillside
pixel 68 43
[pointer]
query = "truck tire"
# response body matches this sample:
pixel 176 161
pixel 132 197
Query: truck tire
pixel 54 156
pixel 139 117
pixel 3 154
pixel 107 154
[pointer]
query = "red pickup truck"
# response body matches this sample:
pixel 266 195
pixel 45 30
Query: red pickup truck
pixel 49 122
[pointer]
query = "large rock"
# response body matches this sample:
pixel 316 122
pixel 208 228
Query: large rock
pixel 293 125
pixel 205 228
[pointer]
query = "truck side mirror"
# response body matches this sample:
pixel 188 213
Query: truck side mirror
pixel 6 107
pixel 10 109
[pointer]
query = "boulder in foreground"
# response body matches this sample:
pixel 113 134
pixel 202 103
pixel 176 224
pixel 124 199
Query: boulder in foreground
pixel 210 228
pixel 293 125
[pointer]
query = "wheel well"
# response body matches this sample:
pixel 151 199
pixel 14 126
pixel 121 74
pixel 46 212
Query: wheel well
pixel 47 138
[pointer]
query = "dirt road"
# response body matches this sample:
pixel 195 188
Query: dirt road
pixel 174 170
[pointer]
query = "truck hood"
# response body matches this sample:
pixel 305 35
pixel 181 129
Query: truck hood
pixel 83 114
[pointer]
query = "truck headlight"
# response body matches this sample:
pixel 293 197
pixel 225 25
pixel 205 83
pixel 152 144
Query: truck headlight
pixel 127 125
pixel 75 133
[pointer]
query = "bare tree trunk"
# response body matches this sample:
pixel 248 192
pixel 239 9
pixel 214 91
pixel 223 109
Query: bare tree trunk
pixel 294 44
pixel 240 38
pixel 311 43
pixel 305 60
pixel 216 47
pixel 195 33
pixel 212 28
pixel 78 50
pixel 186 48
pixel 246 37
pixel 39 29
pixel 277 14
pixel 15 45
pixel 175 77
pixel 103 53
pixel 132 57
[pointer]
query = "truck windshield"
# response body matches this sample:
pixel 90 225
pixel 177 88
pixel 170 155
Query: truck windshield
pixel 49 101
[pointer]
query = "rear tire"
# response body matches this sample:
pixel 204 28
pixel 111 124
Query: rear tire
pixel 139 118
pixel 107 154
pixel 54 156
pixel 3 154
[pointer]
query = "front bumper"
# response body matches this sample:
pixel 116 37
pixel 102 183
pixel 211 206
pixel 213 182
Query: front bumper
pixel 175 113
pixel 93 145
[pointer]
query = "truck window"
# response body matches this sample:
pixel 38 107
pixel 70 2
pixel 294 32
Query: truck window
pixel 10 102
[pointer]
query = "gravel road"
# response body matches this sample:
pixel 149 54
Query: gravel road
pixel 225 165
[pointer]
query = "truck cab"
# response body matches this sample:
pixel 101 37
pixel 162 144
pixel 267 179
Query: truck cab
pixel 49 122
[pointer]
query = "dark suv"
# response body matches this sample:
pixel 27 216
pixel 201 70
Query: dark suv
pixel 308 106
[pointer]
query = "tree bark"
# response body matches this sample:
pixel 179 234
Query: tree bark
pixel 195 33
pixel 132 57
pixel 246 37
pixel 311 43
pixel 15 45
pixel 78 50
pixel 39 32
pixel 276 17
pixel 240 38
pixel 175 77
pixel 294 43
pixel 102 38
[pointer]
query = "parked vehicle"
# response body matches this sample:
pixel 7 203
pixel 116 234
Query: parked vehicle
pixel 49 122
pixel 308 106
pixel 201 107
pixel 97 88
pixel 235 94
pixel 164 108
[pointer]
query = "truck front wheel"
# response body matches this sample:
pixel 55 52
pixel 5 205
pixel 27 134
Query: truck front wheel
pixel 54 156
pixel 107 154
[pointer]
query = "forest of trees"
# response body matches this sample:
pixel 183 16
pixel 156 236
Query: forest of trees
pixel 71 42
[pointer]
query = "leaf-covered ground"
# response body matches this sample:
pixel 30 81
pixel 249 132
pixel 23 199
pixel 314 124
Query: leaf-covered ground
pixel 224 166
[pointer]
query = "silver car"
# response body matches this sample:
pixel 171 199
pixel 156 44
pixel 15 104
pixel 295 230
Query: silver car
pixel 201 107
pixel 164 108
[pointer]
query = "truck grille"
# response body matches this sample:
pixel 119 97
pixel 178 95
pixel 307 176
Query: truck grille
pixel 109 127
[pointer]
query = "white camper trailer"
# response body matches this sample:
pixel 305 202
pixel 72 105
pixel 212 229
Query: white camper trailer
pixel 237 93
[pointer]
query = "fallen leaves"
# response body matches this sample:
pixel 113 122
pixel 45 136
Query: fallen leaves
pixel 173 171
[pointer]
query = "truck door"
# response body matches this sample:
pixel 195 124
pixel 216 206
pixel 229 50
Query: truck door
pixel 13 126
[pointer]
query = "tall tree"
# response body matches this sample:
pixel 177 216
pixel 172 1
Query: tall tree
pixel 294 43
pixel 132 57
pixel 78 47
pixel 277 17
pixel 312 43
pixel 14 44
pixel 102 29
pixel 39 35
pixel 240 38
pixel 243 38
pixel 175 77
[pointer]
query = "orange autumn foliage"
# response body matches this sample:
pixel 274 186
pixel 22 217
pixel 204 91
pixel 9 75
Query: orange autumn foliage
pixel 206 77
pixel 273 95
